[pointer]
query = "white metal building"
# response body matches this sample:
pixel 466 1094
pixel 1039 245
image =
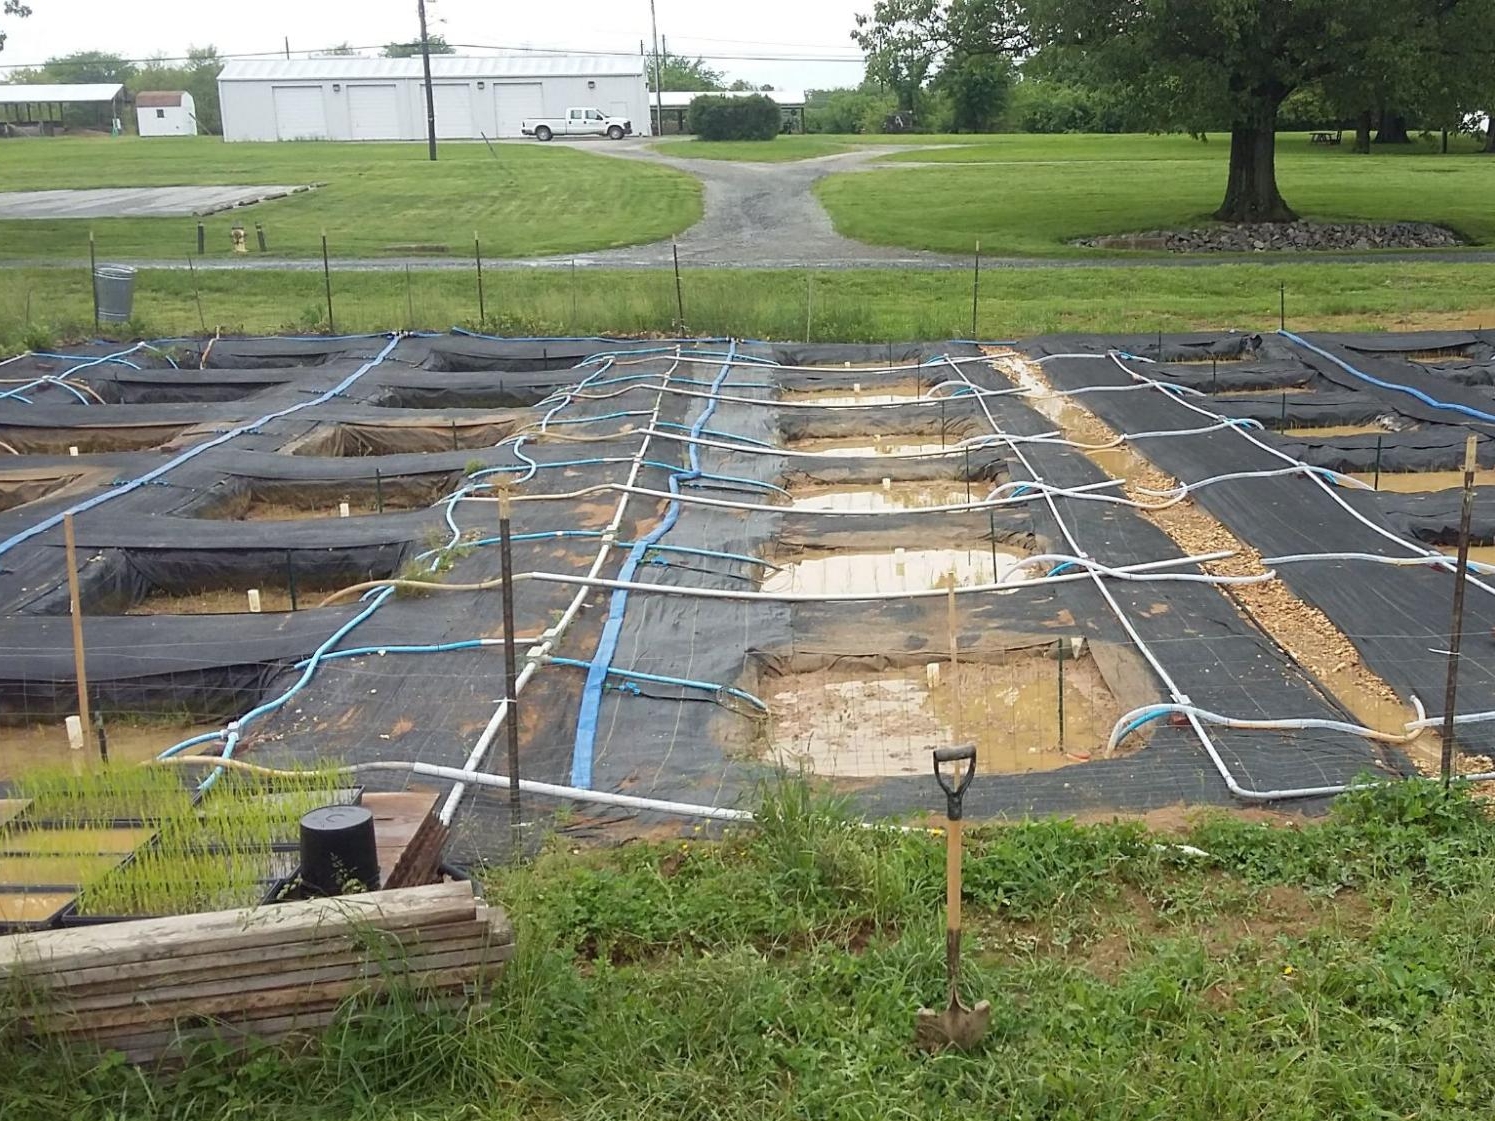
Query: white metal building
pixel 343 98
pixel 165 113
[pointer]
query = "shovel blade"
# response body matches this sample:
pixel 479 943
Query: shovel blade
pixel 957 1026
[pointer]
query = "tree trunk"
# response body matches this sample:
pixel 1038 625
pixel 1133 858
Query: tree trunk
pixel 1490 132
pixel 1251 194
pixel 1393 129
pixel 1362 133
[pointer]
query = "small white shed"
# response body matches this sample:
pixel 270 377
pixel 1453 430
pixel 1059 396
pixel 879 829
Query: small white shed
pixel 166 113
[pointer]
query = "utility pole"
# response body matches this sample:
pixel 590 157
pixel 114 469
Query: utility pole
pixel 425 58
pixel 658 74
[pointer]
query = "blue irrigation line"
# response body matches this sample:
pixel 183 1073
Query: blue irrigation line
pixel 661 679
pixel 436 648
pixel 193 452
pixel 85 358
pixel 1395 387
pixel 607 644
pixel 84 364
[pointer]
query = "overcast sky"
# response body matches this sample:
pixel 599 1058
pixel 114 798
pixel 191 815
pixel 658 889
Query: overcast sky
pixel 809 29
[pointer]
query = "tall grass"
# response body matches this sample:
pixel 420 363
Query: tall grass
pixel 1328 969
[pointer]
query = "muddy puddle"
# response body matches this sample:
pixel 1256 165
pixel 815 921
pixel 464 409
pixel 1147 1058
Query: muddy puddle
pixel 46 745
pixel 874 498
pixel 1418 482
pixel 842 723
pixel 1073 421
pixel 900 570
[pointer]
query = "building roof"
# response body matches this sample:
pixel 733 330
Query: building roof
pixel 159 99
pixel 23 95
pixel 346 67
pixel 681 99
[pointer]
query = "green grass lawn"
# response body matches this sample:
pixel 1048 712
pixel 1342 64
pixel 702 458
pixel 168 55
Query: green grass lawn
pixel 781 149
pixel 853 305
pixel 1030 195
pixel 527 200
pixel 1313 971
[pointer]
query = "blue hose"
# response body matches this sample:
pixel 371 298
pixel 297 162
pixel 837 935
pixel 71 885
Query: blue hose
pixel 1396 387
pixel 607 643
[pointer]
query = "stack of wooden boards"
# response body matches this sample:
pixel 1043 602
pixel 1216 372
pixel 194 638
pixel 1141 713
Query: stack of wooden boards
pixel 149 988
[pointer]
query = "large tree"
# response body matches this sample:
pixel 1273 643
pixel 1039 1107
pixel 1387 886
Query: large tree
pixel 13 8
pixel 681 74
pixel 909 42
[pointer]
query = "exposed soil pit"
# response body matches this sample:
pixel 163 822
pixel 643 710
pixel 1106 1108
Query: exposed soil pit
pixel 356 440
pixel 17 491
pixel 1418 482
pixel 224 601
pixel 1328 430
pixel 901 570
pixel 1480 554
pixel 89 441
pixel 130 741
pixel 873 498
pixel 32 906
pixel 847 723
pixel 856 447
pixel 1449 356
pixel 277 501
pixel 876 395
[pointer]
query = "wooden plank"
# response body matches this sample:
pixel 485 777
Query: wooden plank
pixel 254 958
pixel 261 1001
pixel 173 1000
pixel 145 939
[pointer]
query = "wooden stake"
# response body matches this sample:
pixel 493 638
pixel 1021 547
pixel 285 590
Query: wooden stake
pixel 953 627
pixel 679 290
pixel 1456 636
pixel 75 605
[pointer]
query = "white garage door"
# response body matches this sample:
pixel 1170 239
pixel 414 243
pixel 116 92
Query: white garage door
pixel 454 111
pixel 299 114
pixel 371 112
pixel 514 101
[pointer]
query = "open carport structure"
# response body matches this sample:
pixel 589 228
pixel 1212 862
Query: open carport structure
pixel 43 109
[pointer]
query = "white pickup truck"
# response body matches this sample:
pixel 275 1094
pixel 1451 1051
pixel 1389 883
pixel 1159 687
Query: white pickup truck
pixel 577 122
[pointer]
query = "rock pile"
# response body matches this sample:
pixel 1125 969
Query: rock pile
pixel 1284 237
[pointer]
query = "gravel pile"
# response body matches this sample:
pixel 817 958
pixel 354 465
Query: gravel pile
pixel 1289 237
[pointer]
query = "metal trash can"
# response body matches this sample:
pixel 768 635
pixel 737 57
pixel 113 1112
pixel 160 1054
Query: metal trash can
pixel 114 292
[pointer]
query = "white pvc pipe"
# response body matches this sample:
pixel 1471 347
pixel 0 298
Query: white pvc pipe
pixel 1121 726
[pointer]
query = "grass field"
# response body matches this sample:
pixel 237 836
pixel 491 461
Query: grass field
pixel 1025 195
pixel 49 305
pixel 1328 970
pixel 781 149
pixel 527 200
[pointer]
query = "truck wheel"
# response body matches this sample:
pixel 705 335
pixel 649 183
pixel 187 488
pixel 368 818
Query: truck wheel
pixel 543 133
pixel 615 133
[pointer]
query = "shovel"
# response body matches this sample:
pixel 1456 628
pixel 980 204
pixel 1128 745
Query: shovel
pixel 957 1026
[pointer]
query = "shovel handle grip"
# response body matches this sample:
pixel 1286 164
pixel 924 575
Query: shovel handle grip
pixel 955 791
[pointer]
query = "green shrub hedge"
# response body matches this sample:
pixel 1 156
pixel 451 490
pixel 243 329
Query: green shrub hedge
pixel 734 118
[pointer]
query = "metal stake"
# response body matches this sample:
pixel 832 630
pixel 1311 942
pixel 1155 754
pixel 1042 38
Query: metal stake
pixel 809 304
pixel 259 234
pixel 93 279
pixel 291 578
pixel 679 290
pixel 511 669
pixel 202 239
pixel 942 424
pixel 196 295
pixel 327 281
pixel 975 291
pixel 1456 637
pixel 477 255
pixel 1282 306
pixel 1283 423
pixel 409 301
pixel 454 436
pixel 103 738
pixel 75 607
pixel 1376 484
pixel 1061 692
pixel 378 491
pixel 968 473
pixel 1214 375
pixel 991 519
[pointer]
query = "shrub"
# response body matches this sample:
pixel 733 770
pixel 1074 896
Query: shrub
pixel 713 117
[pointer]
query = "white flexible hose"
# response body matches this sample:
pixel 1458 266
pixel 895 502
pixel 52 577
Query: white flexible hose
pixel 1118 732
